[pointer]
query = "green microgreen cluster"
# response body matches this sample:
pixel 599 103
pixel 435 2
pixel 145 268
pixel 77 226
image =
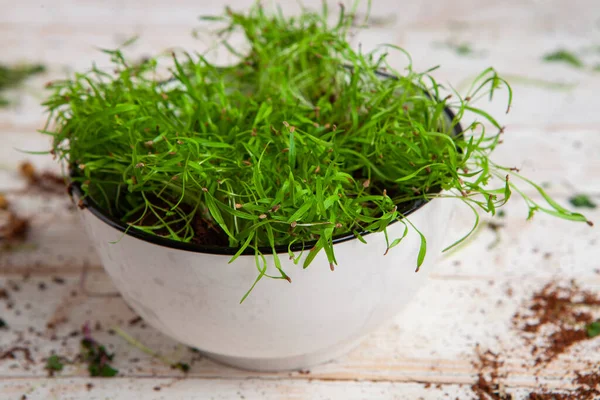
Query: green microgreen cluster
pixel 299 141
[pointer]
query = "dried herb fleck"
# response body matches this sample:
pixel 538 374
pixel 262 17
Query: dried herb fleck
pixel 54 364
pixel 593 329
pixel 564 56
pixel 13 76
pixel 582 201
pixel 463 49
pixel 96 356
pixel 181 366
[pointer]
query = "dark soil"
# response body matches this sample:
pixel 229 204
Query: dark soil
pixel 587 388
pixel 13 228
pixel 46 181
pixel 549 396
pixel 591 379
pixel 205 231
pixel 489 377
pixel 11 353
pixel 562 312
pixel 551 322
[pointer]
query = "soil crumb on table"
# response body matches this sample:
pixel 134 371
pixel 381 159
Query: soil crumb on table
pixel 13 228
pixel 45 181
pixel 556 319
pixel 551 322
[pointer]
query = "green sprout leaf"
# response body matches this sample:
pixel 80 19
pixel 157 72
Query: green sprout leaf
pixel 300 139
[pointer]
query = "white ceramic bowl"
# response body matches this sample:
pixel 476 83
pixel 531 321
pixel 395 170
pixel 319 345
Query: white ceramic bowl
pixel 194 297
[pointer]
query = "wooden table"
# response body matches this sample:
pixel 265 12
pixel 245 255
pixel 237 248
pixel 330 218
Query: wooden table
pixel 426 352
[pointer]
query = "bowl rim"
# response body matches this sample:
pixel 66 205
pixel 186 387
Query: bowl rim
pixel 75 190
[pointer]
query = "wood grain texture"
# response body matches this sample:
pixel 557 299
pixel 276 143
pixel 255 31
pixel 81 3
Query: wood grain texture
pixel 224 389
pixel 552 135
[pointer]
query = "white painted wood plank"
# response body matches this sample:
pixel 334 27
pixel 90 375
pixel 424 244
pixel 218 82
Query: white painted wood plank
pixel 225 389
pixel 433 340
pixel 55 240
pixel 552 135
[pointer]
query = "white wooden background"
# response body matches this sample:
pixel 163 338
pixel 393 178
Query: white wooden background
pixel 553 135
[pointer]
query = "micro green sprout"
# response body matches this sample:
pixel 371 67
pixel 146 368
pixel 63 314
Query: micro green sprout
pixel 299 141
